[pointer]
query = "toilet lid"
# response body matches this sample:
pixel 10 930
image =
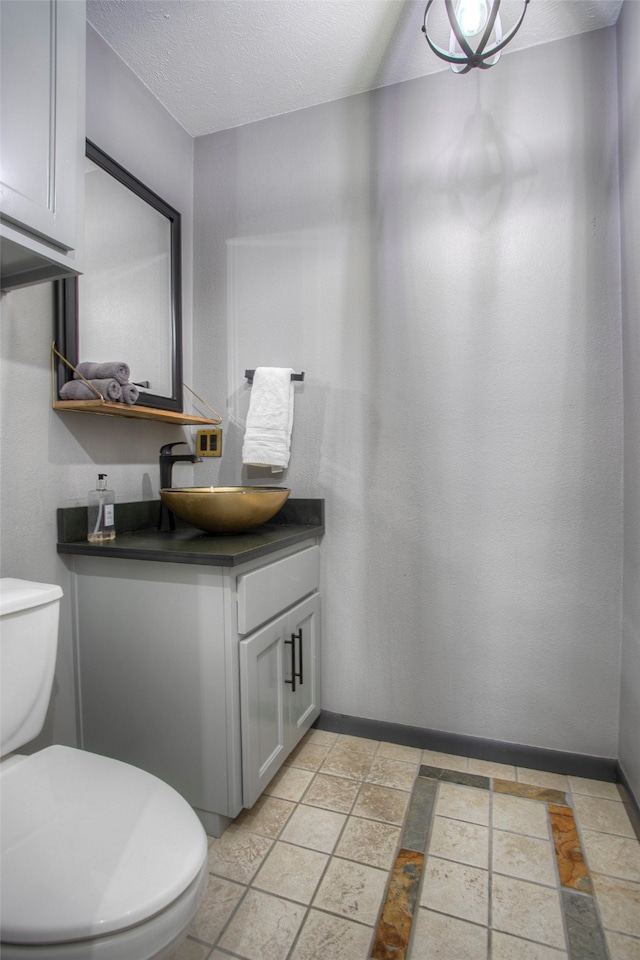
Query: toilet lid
pixel 19 595
pixel 90 846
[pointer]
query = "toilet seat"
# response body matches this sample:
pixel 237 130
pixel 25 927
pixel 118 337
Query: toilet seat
pixel 156 939
pixel 92 847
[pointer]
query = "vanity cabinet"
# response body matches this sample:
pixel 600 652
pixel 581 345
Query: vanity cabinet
pixel 42 146
pixel 205 676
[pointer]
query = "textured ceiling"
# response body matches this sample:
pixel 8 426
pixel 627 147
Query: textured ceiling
pixel 216 64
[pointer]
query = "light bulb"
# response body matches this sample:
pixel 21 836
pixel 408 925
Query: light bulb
pixel 472 16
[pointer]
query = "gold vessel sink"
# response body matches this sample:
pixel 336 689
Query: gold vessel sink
pixel 224 509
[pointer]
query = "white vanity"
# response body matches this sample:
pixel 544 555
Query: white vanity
pixel 204 671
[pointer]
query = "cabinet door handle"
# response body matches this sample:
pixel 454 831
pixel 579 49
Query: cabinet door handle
pixel 298 637
pixel 295 675
pixel 293 664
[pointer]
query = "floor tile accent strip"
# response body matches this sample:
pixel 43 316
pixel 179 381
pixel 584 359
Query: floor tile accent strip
pixel 455 776
pixel 585 935
pixel 571 863
pixel 529 792
pixel 419 816
pixel 586 939
pixel 394 928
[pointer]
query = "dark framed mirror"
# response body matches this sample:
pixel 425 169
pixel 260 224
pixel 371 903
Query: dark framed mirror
pixel 127 305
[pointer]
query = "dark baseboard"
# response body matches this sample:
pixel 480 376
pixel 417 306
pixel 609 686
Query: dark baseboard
pixel 535 758
pixel 629 799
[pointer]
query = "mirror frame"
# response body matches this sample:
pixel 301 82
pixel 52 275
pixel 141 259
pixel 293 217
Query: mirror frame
pixel 67 318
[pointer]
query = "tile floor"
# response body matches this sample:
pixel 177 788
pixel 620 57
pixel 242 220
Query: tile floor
pixel 360 849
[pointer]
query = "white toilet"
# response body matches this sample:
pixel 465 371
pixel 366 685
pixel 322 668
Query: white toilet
pixel 100 860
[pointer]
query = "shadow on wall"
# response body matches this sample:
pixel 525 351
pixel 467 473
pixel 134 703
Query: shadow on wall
pixel 489 169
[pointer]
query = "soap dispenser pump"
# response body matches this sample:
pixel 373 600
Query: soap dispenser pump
pixel 101 520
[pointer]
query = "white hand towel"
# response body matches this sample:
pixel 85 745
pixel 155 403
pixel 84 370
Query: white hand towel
pixel 267 438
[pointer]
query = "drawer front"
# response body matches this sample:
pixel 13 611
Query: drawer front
pixel 265 592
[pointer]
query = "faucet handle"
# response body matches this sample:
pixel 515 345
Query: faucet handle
pixel 165 451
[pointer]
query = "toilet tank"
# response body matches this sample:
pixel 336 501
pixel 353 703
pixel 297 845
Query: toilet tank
pixel 29 614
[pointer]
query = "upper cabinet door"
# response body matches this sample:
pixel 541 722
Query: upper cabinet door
pixel 42 144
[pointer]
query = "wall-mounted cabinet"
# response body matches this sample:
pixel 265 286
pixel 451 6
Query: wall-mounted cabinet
pixel 42 147
pixel 204 676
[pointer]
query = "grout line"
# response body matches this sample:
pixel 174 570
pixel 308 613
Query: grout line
pixel 490 879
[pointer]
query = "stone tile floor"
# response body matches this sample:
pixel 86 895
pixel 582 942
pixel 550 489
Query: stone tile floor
pixel 362 849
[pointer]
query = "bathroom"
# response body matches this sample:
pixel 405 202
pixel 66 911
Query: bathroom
pixel 469 413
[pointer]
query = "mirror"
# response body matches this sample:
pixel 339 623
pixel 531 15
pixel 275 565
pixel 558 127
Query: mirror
pixel 127 305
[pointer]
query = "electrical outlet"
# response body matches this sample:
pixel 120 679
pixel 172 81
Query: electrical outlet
pixel 209 443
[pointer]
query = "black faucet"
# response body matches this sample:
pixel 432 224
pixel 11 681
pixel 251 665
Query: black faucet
pixel 166 520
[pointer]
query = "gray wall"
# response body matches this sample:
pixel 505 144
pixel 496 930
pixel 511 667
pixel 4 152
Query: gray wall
pixel 441 258
pixel 628 31
pixel 50 459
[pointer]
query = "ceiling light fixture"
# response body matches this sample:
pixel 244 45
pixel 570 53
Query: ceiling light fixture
pixel 471 19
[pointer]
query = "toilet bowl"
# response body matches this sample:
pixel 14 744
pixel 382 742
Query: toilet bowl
pixel 100 860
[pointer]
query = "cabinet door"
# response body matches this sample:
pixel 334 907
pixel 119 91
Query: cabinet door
pixel 279 692
pixel 262 707
pixel 42 147
pixel 302 642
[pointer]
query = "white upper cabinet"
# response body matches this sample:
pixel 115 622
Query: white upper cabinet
pixel 42 143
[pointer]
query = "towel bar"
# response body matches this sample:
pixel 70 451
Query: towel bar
pixel 294 376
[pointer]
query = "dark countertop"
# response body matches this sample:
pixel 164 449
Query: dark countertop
pixel 138 539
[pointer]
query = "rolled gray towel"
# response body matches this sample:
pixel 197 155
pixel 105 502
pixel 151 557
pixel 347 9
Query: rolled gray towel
pixel 104 371
pixel 79 390
pixel 130 393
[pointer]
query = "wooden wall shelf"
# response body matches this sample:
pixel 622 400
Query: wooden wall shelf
pixel 132 411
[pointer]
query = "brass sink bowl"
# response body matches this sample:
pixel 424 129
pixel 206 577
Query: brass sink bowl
pixel 224 509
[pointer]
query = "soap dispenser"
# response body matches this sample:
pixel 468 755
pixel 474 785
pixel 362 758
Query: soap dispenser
pixel 101 518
